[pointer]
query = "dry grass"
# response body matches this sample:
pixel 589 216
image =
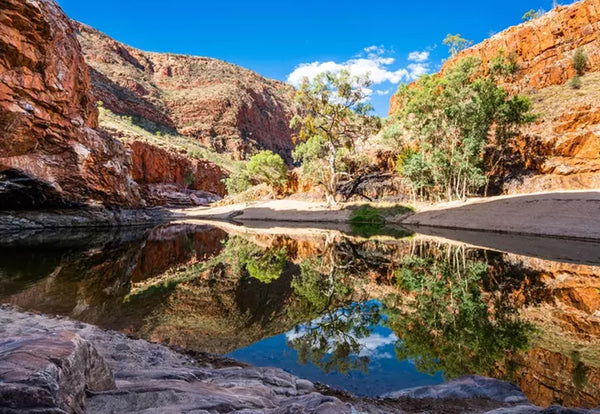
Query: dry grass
pixel 553 101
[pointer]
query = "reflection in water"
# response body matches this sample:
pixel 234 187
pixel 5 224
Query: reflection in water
pixel 447 322
pixel 370 316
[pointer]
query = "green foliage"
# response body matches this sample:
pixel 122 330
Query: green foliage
pixel 189 179
pixel 333 342
pixel 533 14
pixel 265 167
pixel 456 43
pixel 502 64
pixel 458 126
pixel 269 168
pixel 575 82
pixel 238 181
pixel 368 221
pixel 580 61
pixel 333 116
pixel 448 325
pixel 264 265
pixel 268 266
pixel 392 132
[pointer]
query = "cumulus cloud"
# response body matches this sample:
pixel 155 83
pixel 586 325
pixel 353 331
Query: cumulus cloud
pixel 417 56
pixel 373 60
pixel 383 92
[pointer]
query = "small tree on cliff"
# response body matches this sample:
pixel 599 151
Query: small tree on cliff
pixel 533 14
pixel 456 43
pixel 580 61
pixel 334 117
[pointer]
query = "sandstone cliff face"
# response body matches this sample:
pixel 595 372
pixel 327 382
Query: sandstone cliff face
pixel 166 177
pixel 224 106
pixel 48 117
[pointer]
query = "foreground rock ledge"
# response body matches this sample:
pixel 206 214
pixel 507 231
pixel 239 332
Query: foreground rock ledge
pixel 55 365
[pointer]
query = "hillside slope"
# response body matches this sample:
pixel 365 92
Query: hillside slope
pixel 227 108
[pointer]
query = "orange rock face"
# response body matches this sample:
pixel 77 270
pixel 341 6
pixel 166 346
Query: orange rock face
pixel 543 48
pixel 48 115
pixel 224 106
pixel 154 165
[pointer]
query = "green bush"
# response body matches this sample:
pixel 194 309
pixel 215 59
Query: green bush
pixel 268 168
pixel 367 214
pixel 265 167
pixel 580 61
pixel 238 181
pixel 532 14
pixel 575 82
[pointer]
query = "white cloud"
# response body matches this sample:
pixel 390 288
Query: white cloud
pixel 418 69
pixel 417 56
pixel 376 64
pixel 376 67
pixel 383 92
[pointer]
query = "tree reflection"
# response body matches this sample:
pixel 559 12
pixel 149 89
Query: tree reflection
pixel 332 340
pixel 264 265
pixel 445 320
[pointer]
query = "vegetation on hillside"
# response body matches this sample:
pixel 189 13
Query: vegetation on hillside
pixel 580 66
pixel 533 14
pixel 334 117
pixel 127 130
pixel 456 43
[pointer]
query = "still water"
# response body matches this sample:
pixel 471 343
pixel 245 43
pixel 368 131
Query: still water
pixel 368 315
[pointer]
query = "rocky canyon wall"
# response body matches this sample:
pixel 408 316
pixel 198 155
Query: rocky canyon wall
pixel 50 153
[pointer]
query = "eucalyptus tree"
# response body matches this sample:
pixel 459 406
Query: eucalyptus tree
pixel 333 115
pixel 456 129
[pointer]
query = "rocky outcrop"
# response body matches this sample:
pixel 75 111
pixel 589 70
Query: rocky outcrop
pixel 166 177
pixel 48 116
pixel 226 107
pixel 543 48
pixel 47 373
pixel 562 149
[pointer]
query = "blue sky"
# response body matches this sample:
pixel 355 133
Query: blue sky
pixel 275 38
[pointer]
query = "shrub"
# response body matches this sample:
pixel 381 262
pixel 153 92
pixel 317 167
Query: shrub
pixel 267 167
pixel 532 14
pixel 189 179
pixel 580 61
pixel 238 181
pixel 367 214
pixel 575 82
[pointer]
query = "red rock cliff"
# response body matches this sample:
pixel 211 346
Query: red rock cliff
pixel 48 116
pixel 224 106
